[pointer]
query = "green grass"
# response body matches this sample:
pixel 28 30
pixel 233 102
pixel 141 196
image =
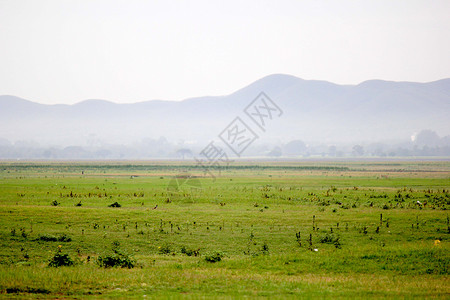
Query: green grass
pixel 390 220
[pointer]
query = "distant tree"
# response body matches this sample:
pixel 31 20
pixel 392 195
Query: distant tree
pixel 184 152
pixel 276 152
pixel 446 141
pixel 427 138
pixel 295 147
pixel 332 150
pixel 358 150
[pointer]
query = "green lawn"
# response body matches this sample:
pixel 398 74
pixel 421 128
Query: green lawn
pixel 299 229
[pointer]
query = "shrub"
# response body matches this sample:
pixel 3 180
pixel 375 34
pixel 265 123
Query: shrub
pixel 330 238
pixel 60 259
pixel 164 249
pixel 54 203
pixel 23 233
pixel 190 252
pixel 30 290
pixel 215 257
pixel 52 238
pixel 48 238
pixel 118 259
pixel 64 238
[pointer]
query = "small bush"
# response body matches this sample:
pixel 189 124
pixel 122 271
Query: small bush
pixel 64 238
pixel 60 259
pixel 23 233
pixel 48 238
pixel 164 249
pixel 52 238
pixel 118 259
pixel 54 203
pixel 115 204
pixel 190 252
pixel 329 238
pixel 29 290
pixel 215 257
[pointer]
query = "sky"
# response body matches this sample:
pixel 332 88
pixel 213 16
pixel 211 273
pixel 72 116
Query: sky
pixel 130 51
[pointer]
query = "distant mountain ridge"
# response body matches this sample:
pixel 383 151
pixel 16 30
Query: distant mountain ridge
pixel 313 110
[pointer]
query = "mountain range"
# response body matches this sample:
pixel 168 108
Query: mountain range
pixel 313 111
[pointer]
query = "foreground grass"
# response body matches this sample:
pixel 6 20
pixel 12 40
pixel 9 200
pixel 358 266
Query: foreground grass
pixel 362 232
pixel 192 278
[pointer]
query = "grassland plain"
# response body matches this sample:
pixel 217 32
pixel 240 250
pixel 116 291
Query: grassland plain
pixel 261 229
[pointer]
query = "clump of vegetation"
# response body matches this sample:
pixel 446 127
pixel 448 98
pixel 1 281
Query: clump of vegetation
pixel 190 252
pixel 364 230
pixel 330 238
pixel 298 238
pixel 54 203
pixel 48 238
pixel 52 238
pixel 117 259
pixel 60 259
pixel 16 290
pixel 23 233
pixel 166 249
pixel 310 244
pixel 214 257
pixel 64 238
pixel 115 204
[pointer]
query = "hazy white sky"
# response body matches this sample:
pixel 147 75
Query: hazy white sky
pixel 130 51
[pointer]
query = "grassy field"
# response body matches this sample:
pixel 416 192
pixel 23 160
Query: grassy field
pixel 266 229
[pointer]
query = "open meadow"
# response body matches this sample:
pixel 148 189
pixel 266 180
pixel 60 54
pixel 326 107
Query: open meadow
pixel 265 229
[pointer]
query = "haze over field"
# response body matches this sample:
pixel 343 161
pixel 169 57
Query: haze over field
pixel 318 113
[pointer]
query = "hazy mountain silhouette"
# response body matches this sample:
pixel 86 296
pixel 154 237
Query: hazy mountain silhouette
pixel 312 111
